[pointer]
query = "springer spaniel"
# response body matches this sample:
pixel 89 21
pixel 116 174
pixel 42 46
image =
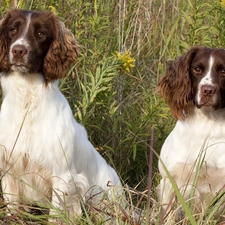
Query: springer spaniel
pixel 45 154
pixel 194 152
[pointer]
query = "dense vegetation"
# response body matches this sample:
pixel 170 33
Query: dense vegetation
pixel 124 47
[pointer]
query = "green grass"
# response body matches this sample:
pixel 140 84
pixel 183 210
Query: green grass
pixel 119 104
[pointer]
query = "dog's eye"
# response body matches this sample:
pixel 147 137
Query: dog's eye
pixel 197 70
pixel 222 72
pixel 40 34
pixel 12 30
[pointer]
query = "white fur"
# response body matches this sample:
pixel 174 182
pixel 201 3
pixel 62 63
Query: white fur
pixel 200 138
pixel 44 152
pixel 206 80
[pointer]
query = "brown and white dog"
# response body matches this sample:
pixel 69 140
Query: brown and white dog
pixel 194 152
pixel 45 154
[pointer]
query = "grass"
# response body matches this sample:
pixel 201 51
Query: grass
pixel 118 103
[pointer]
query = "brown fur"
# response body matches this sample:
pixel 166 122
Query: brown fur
pixel 61 55
pixel 175 87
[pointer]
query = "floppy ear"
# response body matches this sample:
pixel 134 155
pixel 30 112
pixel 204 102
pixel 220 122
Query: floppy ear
pixel 176 87
pixel 62 53
pixel 4 45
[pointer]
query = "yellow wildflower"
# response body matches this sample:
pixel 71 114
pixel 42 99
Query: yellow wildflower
pixel 222 3
pixel 20 4
pixel 126 60
pixel 7 3
pixel 53 9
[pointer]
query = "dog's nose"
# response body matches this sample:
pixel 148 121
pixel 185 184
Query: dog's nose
pixel 208 90
pixel 19 51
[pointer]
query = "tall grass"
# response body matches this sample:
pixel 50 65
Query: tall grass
pixel 117 103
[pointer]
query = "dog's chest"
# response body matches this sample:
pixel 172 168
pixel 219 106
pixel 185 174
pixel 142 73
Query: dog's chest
pixel 196 140
pixel 34 120
pixel 25 119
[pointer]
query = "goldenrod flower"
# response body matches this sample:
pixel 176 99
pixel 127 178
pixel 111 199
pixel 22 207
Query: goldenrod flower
pixel 20 4
pixel 7 3
pixel 222 3
pixel 126 59
pixel 53 9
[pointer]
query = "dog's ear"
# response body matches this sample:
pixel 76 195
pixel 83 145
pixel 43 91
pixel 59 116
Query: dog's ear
pixel 4 43
pixel 62 53
pixel 176 88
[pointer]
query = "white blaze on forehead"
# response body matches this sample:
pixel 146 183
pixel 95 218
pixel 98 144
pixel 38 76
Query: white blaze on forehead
pixel 207 79
pixel 22 39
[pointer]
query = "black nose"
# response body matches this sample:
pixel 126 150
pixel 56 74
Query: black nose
pixel 208 90
pixel 19 51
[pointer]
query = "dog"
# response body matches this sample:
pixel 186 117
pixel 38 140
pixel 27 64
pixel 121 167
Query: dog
pixel 45 155
pixel 194 152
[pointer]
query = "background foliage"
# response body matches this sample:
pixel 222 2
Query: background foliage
pixel 124 47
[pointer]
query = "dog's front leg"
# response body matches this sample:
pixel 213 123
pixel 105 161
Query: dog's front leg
pixel 10 192
pixel 68 191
